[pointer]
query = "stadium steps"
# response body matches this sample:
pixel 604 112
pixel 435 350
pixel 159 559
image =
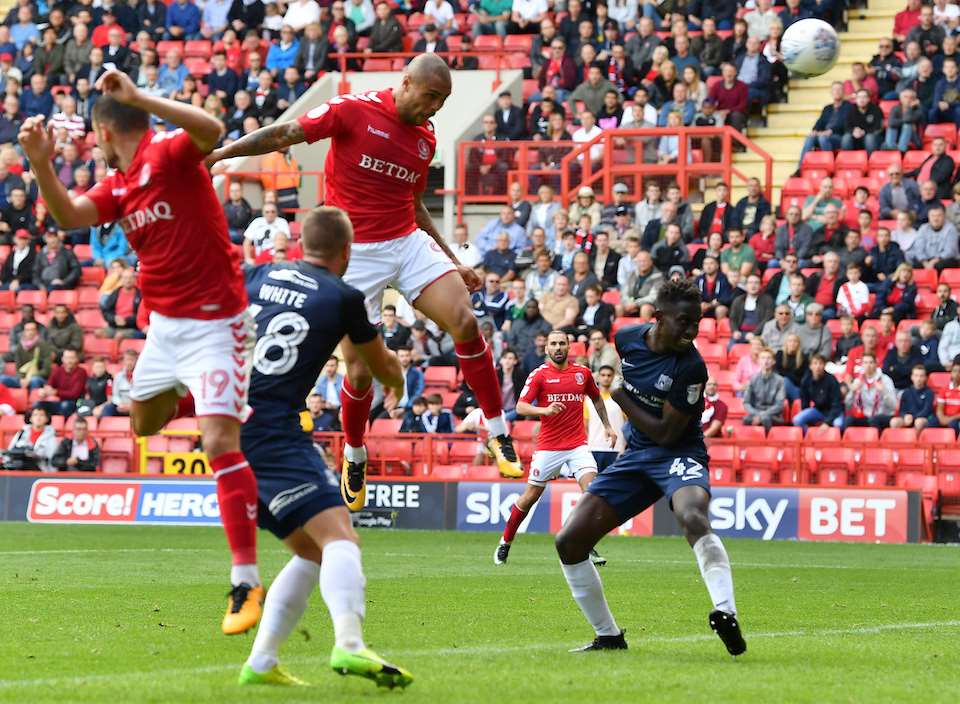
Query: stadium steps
pixel 788 123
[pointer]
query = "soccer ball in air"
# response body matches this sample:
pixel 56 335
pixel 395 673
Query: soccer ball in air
pixel 810 48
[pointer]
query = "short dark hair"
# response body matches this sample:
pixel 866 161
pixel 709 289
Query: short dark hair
pixel 819 357
pixel 678 291
pixel 325 231
pixel 122 118
pixel 419 401
pixel 390 307
pixel 607 366
pixel 435 398
pixel 915 367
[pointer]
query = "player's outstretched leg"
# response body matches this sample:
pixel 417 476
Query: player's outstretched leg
pixel 690 505
pixel 519 511
pixel 356 397
pixel 591 520
pixel 447 302
pixel 237 498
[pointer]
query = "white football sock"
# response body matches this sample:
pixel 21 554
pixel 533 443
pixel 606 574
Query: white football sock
pixel 587 590
pixel 285 603
pixel 355 454
pixel 715 569
pixel 245 574
pixel 343 585
pixel 496 426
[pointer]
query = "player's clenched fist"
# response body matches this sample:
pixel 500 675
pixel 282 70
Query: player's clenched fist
pixel 553 409
pixel 470 278
pixel 118 86
pixel 36 139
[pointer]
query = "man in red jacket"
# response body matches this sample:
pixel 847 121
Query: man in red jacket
pixel 731 97
pixel 66 385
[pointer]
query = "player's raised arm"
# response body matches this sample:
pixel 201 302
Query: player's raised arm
pixel 38 144
pixel 204 130
pixel 265 140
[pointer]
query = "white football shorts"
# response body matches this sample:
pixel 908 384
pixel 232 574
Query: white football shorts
pixel 409 264
pixel 210 358
pixel 548 465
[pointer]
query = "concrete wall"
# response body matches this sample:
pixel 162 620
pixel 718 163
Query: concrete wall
pixel 473 95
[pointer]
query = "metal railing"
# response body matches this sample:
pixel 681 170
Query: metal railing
pixel 485 169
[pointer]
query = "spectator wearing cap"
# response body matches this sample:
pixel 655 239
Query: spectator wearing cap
pixel 592 91
pixel 510 121
pixel 431 42
pixel 586 204
pixel 56 267
pixel 182 21
pixel 620 192
pixel 17 271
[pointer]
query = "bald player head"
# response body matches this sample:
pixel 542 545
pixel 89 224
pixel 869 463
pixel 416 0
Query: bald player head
pixel 425 87
pixel 326 237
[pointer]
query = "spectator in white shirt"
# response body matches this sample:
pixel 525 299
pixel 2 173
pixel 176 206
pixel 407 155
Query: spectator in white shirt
pixel 442 14
pixel 588 130
pixel 759 19
pixel 259 234
pixel 466 253
pixel 69 120
pixel 301 13
pixel 642 114
pixel 527 16
pixel 853 297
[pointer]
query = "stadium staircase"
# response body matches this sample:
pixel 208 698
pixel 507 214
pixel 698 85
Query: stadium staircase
pixel 789 123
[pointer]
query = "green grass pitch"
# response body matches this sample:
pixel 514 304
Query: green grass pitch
pixel 131 614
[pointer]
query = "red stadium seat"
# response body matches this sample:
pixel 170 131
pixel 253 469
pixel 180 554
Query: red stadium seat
pixel 523 430
pixel 708 330
pixel 735 409
pixel 913 159
pixel 523 42
pixel 611 296
pixel 749 433
pixel 487 42
pixel 851 160
pixel 899 437
pixel 197 67
pixel 817 160
pixel 83 252
pixel 724 379
pixel 198 48
pixel 378 65
pixel 785 434
pixel 713 353
pixel 948 459
pixel 132 345
pixel 724 457
pixel 385 426
pixel 38 299
pixel 880 161
pixel 578 349
pixel 113 426
pixel 92 276
pixel 938 437
pixel 757 476
pixel 875 466
pixel 950 277
pixel 68 298
pixel 482 473
pixel 886 106
pixel 861 436
pixel 833 477
pixel 759 457
pixel 99 347
pixel 517 60
pixel 90 319
pixel 949 484
pixel 947 130
pixel 435 377
pixel 722 475
pixel 167 45
pixel 927 301
pixel 911 459
pixel 448 472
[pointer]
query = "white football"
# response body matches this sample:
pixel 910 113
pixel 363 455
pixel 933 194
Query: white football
pixel 810 48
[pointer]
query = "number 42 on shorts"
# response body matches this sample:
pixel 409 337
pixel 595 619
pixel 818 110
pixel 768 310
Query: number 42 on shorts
pixel 686 471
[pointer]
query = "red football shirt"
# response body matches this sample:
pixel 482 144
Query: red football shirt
pixel 168 210
pixel 949 400
pixel 375 163
pixel 547 384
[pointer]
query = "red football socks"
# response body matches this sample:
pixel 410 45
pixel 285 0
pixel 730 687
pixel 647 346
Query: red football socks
pixel 476 363
pixel 355 407
pixel 513 523
pixel 237 496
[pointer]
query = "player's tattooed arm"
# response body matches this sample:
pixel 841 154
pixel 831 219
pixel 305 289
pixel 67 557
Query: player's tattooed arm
pixel 265 140
pixel 666 431
pixel 425 223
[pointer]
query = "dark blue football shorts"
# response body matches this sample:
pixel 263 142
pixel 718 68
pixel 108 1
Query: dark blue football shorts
pixel 640 477
pixel 293 484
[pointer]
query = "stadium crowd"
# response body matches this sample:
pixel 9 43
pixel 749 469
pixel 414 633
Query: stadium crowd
pixel 784 295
